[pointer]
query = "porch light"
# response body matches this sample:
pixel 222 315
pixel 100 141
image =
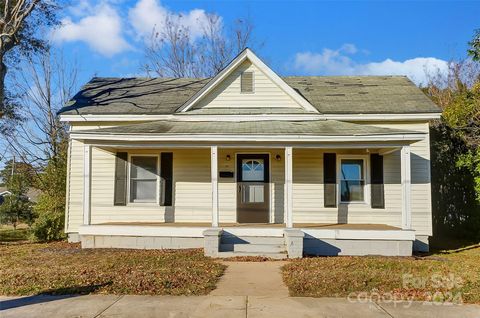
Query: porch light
pixel 278 158
pixel 227 158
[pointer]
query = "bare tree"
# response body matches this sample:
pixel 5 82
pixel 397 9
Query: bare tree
pixel 173 51
pixel 44 87
pixel 20 21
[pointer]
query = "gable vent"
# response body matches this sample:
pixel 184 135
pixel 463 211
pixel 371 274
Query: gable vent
pixel 246 83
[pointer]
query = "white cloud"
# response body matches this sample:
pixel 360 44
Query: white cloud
pixel 149 14
pixel 100 27
pixel 340 62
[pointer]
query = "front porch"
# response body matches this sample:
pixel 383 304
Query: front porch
pixel 267 240
pixel 345 194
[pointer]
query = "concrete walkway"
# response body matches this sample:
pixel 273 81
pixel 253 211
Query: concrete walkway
pixel 95 306
pixel 252 279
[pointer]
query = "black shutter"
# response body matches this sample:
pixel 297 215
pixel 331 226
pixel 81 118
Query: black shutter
pixel 330 180
pixel 166 178
pixel 120 187
pixel 378 195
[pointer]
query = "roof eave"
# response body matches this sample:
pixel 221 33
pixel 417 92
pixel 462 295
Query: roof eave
pixel 203 117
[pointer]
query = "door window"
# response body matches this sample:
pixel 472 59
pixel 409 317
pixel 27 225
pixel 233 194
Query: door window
pixel 253 170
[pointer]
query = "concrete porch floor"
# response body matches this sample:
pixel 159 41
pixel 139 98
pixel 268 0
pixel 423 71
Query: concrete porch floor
pixel 332 226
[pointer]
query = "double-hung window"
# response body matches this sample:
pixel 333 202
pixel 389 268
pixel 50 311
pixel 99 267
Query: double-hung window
pixel 352 180
pixel 143 179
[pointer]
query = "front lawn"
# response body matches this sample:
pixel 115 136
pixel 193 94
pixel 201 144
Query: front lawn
pixel 63 268
pixel 449 276
pixel 8 234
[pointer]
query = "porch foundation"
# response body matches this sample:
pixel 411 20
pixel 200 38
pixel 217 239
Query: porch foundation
pixel 268 241
pixel 421 244
pixel 140 242
pixel 336 247
pixel 73 238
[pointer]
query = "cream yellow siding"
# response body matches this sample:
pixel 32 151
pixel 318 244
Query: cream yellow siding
pixel 421 177
pixel 308 206
pixel 266 93
pixel 74 209
pixel 192 187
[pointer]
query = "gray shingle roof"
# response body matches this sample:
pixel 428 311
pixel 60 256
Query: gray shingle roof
pixel 133 95
pixel 307 128
pixel 328 94
pixel 362 94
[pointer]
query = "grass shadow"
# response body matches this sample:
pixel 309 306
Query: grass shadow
pixel 50 295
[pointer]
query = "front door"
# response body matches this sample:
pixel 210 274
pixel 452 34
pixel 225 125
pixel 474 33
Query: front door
pixel 253 188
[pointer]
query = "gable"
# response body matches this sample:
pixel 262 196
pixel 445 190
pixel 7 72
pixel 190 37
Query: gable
pixel 220 83
pixel 266 93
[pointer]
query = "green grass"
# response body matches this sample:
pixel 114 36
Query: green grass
pixel 444 274
pixel 8 234
pixel 63 268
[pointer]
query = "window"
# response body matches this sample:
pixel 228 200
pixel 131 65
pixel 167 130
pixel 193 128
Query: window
pixel 352 180
pixel 246 82
pixel 143 179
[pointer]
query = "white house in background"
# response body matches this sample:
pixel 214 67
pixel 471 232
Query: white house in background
pixel 32 194
pixel 3 193
pixel 251 163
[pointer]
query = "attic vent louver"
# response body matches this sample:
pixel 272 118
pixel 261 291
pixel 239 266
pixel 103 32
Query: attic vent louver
pixel 246 82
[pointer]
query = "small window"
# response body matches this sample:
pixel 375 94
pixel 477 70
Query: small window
pixel 143 179
pixel 247 82
pixel 352 180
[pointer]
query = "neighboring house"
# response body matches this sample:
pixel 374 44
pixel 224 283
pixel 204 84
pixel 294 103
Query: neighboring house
pixel 32 194
pixel 3 193
pixel 250 163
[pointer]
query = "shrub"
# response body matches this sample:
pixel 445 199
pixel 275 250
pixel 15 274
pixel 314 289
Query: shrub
pixel 50 208
pixel 49 226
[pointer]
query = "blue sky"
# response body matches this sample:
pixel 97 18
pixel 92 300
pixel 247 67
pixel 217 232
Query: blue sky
pixel 300 37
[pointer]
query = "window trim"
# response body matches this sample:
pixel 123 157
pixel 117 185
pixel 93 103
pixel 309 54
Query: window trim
pixel 253 82
pixel 129 180
pixel 366 177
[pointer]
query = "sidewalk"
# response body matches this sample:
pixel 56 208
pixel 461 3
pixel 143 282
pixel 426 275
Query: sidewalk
pixel 248 289
pixel 217 306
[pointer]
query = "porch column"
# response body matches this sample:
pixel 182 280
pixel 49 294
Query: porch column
pixel 288 187
pixel 87 167
pixel 214 171
pixel 406 188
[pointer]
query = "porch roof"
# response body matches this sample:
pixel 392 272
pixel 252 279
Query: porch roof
pixel 327 128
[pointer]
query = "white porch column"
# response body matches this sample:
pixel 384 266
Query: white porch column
pixel 406 188
pixel 288 187
pixel 214 171
pixel 87 167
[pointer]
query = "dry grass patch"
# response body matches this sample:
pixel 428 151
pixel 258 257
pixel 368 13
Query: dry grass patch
pixel 8 234
pixel 63 268
pixel 440 277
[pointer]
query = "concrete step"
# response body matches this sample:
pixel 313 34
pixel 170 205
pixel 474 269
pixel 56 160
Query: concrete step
pixel 260 254
pixel 230 239
pixel 266 248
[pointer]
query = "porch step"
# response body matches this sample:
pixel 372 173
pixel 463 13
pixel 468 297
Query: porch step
pixel 259 254
pixel 254 248
pixel 231 239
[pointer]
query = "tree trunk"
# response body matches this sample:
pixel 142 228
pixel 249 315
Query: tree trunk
pixel 3 74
